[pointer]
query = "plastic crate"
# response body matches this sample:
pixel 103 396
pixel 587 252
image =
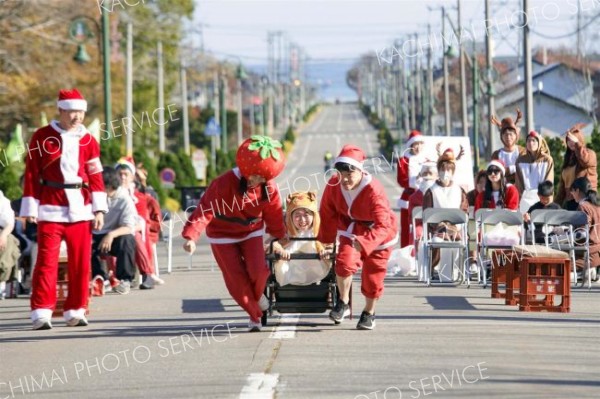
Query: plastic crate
pixel 545 281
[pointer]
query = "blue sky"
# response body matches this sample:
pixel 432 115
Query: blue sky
pixel 345 29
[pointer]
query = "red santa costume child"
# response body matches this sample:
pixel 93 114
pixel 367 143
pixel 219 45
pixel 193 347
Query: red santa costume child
pixel 234 211
pixel 355 208
pixel 409 167
pixel 63 192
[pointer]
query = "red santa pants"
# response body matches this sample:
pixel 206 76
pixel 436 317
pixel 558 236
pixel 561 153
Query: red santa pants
pixel 245 272
pixel 405 218
pixel 143 259
pixel 374 267
pixel 78 237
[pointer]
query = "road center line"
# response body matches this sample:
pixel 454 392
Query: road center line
pixel 287 327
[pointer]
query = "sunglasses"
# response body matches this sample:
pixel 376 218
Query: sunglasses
pixel 493 172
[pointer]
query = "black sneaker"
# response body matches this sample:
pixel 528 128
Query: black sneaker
pixel 339 312
pixel 366 322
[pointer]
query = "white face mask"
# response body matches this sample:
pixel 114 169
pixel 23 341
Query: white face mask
pixel 426 185
pixel 445 177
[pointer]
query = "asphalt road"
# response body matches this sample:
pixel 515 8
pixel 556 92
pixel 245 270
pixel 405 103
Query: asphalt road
pixel 187 339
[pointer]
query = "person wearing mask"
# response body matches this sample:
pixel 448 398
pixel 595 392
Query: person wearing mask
pixel 446 194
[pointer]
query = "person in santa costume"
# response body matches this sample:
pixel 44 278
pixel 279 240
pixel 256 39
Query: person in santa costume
pixel 509 134
pixel 498 193
pixel 234 211
pixel 355 209
pixel 409 167
pixel 64 193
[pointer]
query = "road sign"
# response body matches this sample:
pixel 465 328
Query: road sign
pixel 212 128
pixel 167 177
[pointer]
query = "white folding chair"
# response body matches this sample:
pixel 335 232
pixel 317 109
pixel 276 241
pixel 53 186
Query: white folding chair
pixel 576 223
pixel 495 217
pixel 431 218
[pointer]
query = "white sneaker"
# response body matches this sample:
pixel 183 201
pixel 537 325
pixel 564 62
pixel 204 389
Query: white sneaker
pixel 77 322
pixel 254 326
pixel 593 274
pixel 473 268
pixel 157 280
pixel 263 302
pixel 2 290
pixel 42 323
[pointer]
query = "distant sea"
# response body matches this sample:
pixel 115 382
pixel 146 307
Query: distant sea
pixel 328 77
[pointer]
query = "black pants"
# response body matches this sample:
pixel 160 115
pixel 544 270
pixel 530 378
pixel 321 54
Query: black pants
pixel 123 248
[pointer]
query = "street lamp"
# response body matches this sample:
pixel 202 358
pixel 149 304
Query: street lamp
pixel 80 32
pixel 240 76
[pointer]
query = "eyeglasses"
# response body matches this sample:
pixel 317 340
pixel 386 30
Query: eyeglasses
pixel 493 172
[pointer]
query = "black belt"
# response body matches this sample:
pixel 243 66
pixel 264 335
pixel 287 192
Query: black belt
pixel 245 222
pixel 63 185
pixel 366 223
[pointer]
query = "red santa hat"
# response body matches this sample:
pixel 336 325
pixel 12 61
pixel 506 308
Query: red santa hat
pixel 415 137
pixel 71 100
pixel 534 134
pixel 352 155
pixel 126 162
pixel 497 163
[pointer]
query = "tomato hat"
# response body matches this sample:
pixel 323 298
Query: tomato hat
pixel 260 155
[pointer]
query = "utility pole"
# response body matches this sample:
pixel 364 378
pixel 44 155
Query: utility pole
pixel 222 97
pixel 529 121
pixel 217 102
pixel 448 122
pixel 184 105
pixel 475 108
pixel 463 77
pixel 240 103
pixel 129 91
pixel 419 92
pixel 494 141
pixel 106 69
pixel 405 113
pixel 431 94
pixel 161 100
pixel 413 100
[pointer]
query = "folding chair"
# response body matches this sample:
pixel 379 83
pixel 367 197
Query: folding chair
pixel 539 217
pixel 417 215
pixel 574 221
pixel 492 218
pixel 434 216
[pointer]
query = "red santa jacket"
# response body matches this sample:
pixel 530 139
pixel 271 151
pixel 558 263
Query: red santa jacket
pixel 154 218
pixel 367 218
pixel 512 199
pixel 228 216
pixel 57 156
pixel 407 178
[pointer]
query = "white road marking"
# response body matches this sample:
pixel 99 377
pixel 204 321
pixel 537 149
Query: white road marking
pixel 260 386
pixel 359 119
pixel 300 162
pixel 287 327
